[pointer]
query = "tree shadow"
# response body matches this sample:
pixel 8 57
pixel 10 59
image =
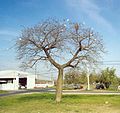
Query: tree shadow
pixel 30 97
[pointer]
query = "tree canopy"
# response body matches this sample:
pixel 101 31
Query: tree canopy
pixel 108 77
pixel 75 77
pixel 62 43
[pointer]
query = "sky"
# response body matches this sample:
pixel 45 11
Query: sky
pixel 102 15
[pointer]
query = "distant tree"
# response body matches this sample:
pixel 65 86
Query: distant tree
pixel 72 77
pixel 108 77
pixel 75 77
pixel 94 77
pixel 64 44
pixel 118 78
pixel 83 77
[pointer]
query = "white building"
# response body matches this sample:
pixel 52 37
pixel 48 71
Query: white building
pixel 13 80
pixel 43 82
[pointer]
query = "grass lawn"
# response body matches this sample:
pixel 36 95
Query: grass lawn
pixel 1 91
pixel 44 103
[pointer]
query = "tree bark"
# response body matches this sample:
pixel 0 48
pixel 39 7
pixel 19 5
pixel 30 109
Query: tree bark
pixel 59 85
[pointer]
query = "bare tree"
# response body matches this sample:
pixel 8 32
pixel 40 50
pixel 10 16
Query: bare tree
pixel 53 40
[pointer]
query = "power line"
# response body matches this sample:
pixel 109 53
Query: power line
pixel 111 61
pixel 111 64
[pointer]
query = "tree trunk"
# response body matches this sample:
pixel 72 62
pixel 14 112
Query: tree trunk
pixel 59 85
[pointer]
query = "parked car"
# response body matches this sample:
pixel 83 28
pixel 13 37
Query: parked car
pixel 100 86
pixel 78 86
pixel 73 86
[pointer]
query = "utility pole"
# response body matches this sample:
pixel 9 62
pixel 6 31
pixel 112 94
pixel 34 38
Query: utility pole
pixel 88 79
pixel 36 71
pixel 52 79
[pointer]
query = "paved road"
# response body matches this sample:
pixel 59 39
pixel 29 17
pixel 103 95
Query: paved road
pixel 25 92
pixel 50 90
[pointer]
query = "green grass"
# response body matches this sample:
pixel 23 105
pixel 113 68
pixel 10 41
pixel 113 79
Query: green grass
pixel 44 103
pixel 1 91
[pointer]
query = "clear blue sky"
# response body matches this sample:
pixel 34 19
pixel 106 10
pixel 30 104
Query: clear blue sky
pixel 102 15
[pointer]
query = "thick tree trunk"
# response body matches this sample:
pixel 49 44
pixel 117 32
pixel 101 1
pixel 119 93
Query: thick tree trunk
pixel 59 85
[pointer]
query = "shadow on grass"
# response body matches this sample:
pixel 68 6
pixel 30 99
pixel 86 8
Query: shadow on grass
pixel 47 96
pixel 44 96
pixel 88 96
pixel 77 96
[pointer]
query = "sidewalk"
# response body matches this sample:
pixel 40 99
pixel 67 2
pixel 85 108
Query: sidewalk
pixel 50 90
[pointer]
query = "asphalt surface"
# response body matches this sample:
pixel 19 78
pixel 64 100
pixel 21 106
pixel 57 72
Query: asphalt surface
pixel 9 93
pixel 51 90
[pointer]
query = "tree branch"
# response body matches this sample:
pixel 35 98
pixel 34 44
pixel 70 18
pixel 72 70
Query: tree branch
pixel 72 59
pixel 50 58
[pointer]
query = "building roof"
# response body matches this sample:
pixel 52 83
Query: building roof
pixel 13 74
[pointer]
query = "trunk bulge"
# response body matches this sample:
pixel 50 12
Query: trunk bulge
pixel 59 85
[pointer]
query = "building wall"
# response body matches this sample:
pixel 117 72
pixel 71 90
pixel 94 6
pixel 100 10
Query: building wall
pixel 30 81
pixel 16 75
pixel 45 84
pixel 16 83
pixel 8 86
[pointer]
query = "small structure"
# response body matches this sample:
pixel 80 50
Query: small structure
pixel 43 82
pixel 14 80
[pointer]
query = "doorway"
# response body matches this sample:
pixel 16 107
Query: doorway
pixel 22 83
